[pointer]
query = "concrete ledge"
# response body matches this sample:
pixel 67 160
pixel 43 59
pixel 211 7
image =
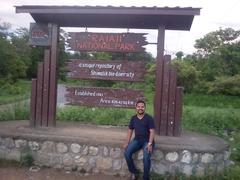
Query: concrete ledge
pixel 99 149
pixel 111 135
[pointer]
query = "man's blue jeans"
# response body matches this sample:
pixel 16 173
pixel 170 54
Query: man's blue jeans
pixel 133 147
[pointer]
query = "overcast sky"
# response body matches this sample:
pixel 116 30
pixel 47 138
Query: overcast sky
pixel 214 14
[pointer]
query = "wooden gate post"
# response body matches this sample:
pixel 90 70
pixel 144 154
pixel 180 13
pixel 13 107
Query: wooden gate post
pixel 44 88
pixel 159 75
pixel 168 97
pixel 53 76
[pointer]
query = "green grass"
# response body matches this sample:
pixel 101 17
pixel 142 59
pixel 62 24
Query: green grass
pixel 101 116
pixel 207 116
pixel 218 115
pixel 10 93
pixel 217 101
pixel 210 120
pixel 17 111
pixel 223 122
pixel 13 95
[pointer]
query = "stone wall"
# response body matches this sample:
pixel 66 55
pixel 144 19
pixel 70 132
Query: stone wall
pixel 108 159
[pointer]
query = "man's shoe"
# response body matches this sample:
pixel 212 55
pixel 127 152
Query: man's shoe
pixel 133 177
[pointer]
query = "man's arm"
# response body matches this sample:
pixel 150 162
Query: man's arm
pixel 151 136
pixel 129 136
pixel 150 141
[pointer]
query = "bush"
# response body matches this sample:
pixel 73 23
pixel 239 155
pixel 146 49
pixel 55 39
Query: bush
pixel 214 101
pixel 9 89
pixel 18 111
pixel 226 85
pixel 235 144
pixel 101 116
pixel 210 120
pixel 26 158
pixel 187 75
pixel 13 92
pixel 201 87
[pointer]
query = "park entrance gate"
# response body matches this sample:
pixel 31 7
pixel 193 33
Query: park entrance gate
pixel 168 96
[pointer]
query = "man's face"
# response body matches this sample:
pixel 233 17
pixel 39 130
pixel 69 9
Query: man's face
pixel 140 108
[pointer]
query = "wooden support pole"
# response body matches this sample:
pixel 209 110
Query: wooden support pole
pixel 171 101
pixel 39 95
pixel 46 85
pixel 165 95
pixel 159 74
pixel 53 76
pixel 33 101
pixel 178 111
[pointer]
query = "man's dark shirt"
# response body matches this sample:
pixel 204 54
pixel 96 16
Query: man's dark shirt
pixel 142 127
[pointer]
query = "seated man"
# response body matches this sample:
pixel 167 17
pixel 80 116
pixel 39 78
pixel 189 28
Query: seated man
pixel 143 124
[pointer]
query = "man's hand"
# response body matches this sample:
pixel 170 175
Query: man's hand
pixel 149 148
pixel 129 135
pixel 125 145
pixel 150 142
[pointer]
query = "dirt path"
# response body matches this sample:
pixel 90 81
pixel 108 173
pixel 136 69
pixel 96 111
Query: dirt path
pixel 15 173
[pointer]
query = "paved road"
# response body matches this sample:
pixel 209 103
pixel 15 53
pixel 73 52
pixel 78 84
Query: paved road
pixel 61 100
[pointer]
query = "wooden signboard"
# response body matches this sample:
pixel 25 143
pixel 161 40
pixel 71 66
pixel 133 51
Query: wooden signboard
pixel 106 70
pixel 110 42
pixel 103 97
pixel 40 35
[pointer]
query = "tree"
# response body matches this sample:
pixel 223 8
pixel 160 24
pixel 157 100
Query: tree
pixel 226 85
pixel 11 66
pixel 211 42
pixel 19 39
pixel 179 55
pixel 229 55
pixel 63 55
pixel 4 29
pixel 187 75
pixel 30 56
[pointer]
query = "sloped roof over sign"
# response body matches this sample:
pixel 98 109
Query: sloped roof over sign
pixel 172 18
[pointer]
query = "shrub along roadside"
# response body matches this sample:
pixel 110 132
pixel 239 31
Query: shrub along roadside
pixel 214 101
pixel 10 93
pixel 17 111
pixel 226 85
pixel 101 116
pixel 210 120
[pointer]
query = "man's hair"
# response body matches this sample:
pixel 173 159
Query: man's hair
pixel 140 101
